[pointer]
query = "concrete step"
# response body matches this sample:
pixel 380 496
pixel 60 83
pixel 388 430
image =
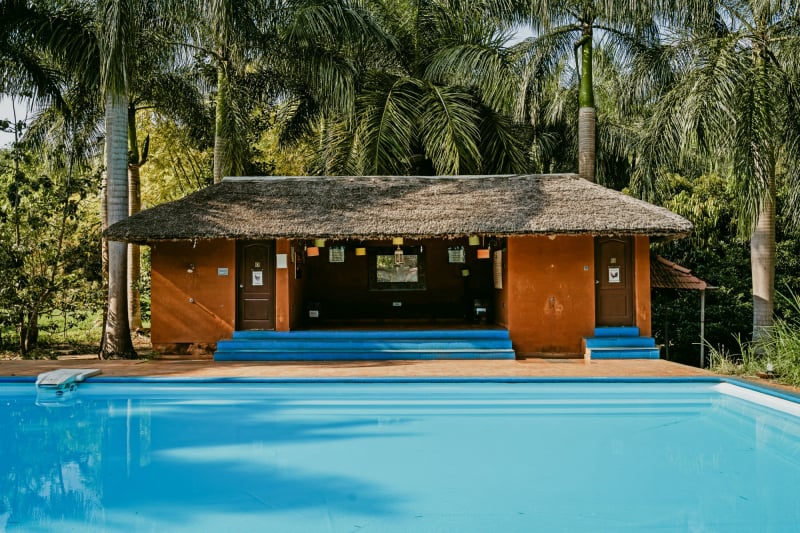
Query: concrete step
pixel 625 342
pixel 358 355
pixel 342 345
pixel 439 334
pixel 361 344
pixel 617 331
pixel 624 353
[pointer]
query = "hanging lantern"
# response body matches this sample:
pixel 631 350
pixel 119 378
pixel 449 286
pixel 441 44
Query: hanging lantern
pixel 398 256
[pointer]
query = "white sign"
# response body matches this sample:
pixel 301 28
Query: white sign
pixel 336 254
pixel 258 278
pixel 281 261
pixel 456 254
pixel 613 275
pixel 222 271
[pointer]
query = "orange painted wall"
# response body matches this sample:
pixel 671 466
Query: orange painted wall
pixel 283 293
pixel 550 295
pixel 175 318
pixel 642 275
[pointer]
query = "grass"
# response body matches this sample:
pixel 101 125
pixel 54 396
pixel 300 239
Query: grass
pixel 776 356
pixel 78 338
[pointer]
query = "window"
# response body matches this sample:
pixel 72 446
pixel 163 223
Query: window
pixel 388 273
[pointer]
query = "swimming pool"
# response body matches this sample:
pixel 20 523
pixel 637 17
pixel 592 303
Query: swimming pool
pixel 397 455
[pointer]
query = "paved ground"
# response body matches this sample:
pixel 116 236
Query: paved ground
pixel 209 368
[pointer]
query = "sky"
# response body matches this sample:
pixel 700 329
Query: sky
pixel 6 113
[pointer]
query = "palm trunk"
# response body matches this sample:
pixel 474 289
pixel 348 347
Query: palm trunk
pixel 587 115
pixel 762 264
pixel 117 341
pixel 221 156
pixel 134 206
pixel 104 254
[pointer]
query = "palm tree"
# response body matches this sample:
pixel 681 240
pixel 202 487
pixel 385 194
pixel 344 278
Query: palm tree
pixel 271 50
pixel 573 28
pixel 437 102
pixel 733 93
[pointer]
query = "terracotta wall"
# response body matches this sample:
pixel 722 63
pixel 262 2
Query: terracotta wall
pixel 192 307
pixel 641 254
pixel 550 298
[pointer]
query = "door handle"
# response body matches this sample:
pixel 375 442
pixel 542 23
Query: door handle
pixel 241 286
pixel 597 282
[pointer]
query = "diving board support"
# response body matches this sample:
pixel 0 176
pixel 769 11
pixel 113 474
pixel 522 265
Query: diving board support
pixel 56 386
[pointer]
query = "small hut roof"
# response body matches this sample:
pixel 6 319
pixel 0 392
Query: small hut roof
pixel 381 207
pixel 665 274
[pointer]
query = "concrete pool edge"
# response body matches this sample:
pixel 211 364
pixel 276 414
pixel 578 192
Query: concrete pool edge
pixel 774 392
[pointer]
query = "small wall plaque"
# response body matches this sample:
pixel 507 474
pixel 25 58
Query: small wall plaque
pixel 336 254
pixel 222 271
pixel 258 278
pixel 281 261
pixel 613 275
pixel 455 254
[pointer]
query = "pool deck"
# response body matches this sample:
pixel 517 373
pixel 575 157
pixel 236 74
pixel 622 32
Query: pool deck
pixel 206 368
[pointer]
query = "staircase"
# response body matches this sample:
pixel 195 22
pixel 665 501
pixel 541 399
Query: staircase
pixel 344 345
pixel 620 343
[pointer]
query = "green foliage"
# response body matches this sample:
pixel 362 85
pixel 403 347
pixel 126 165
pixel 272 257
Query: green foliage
pixel 49 246
pixel 716 254
pixel 778 355
pixel 176 165
pixel 438 101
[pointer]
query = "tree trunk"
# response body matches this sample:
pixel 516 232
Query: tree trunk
pixel 134 206
pixel 762 264
pixel 134 255
pixel 587 119
pixel 104 255
pixel 221 156
pixel 587 115
pixel 117 341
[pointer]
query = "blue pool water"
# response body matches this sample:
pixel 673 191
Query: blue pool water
pixel 400 456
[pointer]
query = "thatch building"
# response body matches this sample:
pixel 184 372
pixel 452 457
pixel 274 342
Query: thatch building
pixel 546 257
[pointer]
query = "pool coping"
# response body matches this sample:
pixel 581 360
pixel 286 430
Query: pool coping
pixel 782 394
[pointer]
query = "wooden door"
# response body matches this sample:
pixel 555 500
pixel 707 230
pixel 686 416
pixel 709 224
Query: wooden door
pixel 255 279
pixel 614 282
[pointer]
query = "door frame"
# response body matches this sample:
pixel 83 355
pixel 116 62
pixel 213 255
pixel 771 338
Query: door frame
pixel 629 267
pixel 269 282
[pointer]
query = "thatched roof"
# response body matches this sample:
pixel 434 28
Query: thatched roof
pixel 381 207
pixel 664 274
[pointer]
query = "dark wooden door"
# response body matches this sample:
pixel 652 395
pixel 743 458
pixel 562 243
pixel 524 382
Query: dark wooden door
pixel 255 279
pixel 613 281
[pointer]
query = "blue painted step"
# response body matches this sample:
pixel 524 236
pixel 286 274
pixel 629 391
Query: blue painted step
pixel 620 343
pixel 365 345
pixel 625 353
pixel 375 334
pixel 366 355
pixel 360 344
pixel 617 331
